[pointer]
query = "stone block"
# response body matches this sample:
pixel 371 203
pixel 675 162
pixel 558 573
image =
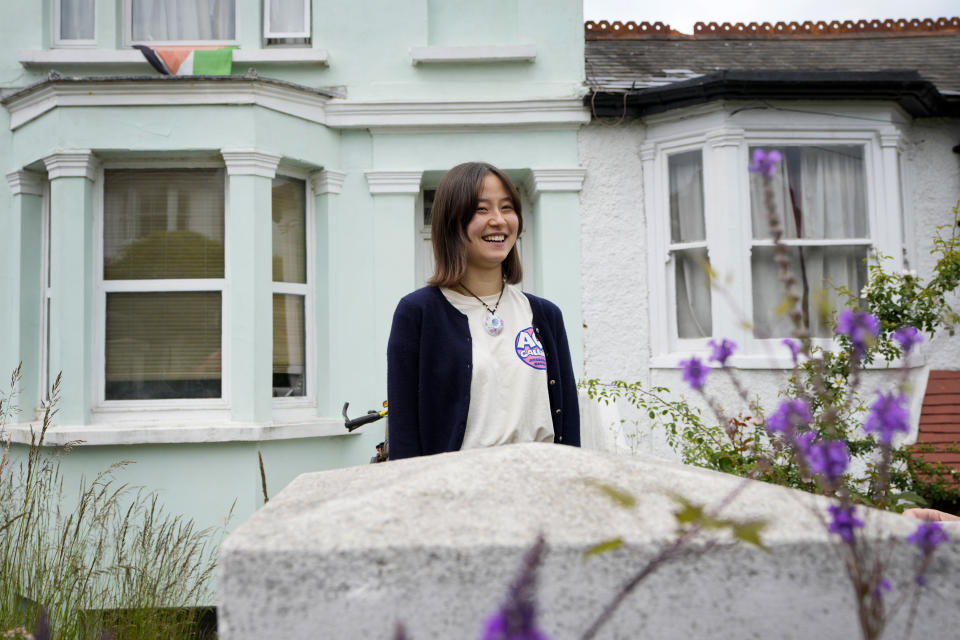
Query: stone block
pixel 434 542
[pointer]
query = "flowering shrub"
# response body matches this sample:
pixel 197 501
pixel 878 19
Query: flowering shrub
pixel 808 441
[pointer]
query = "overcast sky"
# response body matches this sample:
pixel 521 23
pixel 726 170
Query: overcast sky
pixel 681 14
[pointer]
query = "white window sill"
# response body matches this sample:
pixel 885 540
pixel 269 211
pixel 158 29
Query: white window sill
pixel 106 58
pixel 492 53
pixel 127 434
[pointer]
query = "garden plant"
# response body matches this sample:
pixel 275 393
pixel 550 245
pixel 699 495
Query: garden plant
pixel 105 562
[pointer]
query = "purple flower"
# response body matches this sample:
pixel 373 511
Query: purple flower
pixel 788 416
pixel 887 416
pixel 721 351
pixel 516 619
pixel 828 458
pixel 928 536
pixel 694 373
pixel 843 522
pixel 883 585
pixel 861 328
pixel 803 442
pixel 794 348
pixel 765 162
pixel 907 337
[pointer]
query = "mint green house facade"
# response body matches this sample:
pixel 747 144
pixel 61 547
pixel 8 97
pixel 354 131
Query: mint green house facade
pixel 212 262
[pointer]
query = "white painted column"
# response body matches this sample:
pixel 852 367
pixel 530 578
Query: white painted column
pixel 21 285
pixel 395 196
pixel 71 175
pixel 326 185
pixel 555 194
pixel 890 236
pixel 727 218
pixel 249 291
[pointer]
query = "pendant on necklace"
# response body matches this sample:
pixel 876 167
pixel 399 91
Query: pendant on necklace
pixel 492 324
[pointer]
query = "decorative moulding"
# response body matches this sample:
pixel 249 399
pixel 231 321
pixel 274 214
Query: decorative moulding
pixel 491 53
pixel 551 111
pixel 166 91
pixel 616 30
pixel 71 164
pixel 394 182
pixel 725 138
pixel 25 106
pixel 25 183
pixel 41 58
pixel 542 180
pixel 248 162
pixel 327 181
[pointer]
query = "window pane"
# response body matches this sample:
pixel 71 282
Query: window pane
pixel 289 230
pixel 289 353
pixel 286 16
pixel 428 196
pixel 693 294
pixel 76 19
pixel 163 345
pixel 686 197
pixel 822 268
pixel 163 224
pixel 191 20
pixel 819 192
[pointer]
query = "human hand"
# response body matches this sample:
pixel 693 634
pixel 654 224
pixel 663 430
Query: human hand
pixel 931 515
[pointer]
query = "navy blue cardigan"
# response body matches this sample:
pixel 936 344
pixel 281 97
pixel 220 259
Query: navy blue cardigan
pixel 429 361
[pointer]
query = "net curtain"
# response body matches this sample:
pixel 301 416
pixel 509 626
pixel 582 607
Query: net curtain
pixel 828 188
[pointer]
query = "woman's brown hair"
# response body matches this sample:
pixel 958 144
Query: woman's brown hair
pixel 453 206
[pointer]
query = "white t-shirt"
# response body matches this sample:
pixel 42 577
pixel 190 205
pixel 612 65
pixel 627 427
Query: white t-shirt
pixel 508 390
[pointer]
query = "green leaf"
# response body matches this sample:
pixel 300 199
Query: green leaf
pixel 619 496
pixel 749 532
pixel 603 547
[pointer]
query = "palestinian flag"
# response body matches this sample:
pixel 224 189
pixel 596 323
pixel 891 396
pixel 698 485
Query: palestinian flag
pixel 189 61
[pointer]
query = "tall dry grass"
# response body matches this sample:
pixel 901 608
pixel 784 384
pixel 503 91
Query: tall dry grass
pixel 108 560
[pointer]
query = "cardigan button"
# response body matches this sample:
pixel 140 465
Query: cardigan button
pixel 558 412
pixel 553 382
pixel 559 438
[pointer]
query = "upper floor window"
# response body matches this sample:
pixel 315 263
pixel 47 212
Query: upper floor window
pixel 182 20
pixel 286 21
pixel 74 22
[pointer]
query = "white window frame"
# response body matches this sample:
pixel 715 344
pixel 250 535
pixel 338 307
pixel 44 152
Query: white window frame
pixel 725 134
pixel 299 408
pixel 161 410
pixel 65 43
pixel 44 357
pixel 269 33
pixel 129 41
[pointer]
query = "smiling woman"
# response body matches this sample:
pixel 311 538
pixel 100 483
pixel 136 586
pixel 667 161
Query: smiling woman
pixel 472 360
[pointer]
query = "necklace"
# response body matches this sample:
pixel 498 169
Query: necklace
pixel 491 323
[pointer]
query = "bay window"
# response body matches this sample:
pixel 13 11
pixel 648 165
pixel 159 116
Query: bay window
pixel 820 198
pixel 289 287
pixel 163 275
pixel 711 262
